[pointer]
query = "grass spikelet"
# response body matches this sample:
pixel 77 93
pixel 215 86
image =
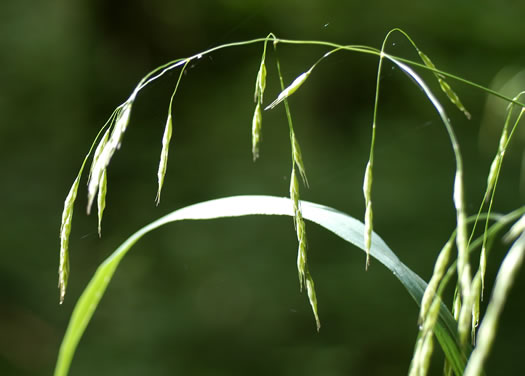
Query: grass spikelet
pixel 464 321
pixel 440 268
pixel 101 199
pixel 445 87
pixel 298 158
pixel 310 288
pixel 301 251
pixel 504 281
pixel 464 275
pixel 292 88
pixel 367 190
pixel 425 342
pixel 67 213
pixel 294 193
pixel 260 82
pixel 299 228
pixel 476 294
pixel 482 268
pixel 113 143
pixel 99 149
pixel 256 130
pixel 260 86
pixel 163 164
pixel 166 137
pixel 65 231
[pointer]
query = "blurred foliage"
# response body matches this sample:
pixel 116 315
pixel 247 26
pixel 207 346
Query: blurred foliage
pixel 222 297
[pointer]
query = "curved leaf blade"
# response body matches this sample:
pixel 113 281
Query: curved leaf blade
pixel 341 224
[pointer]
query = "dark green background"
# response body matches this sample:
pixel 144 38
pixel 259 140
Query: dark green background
pixel 222 297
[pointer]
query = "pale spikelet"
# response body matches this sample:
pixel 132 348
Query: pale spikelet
pixel 445 87
pixel 260 86
pixel 299 228
pixel 498 159
pixel 305 279
pixel 461 237
pixel 453 97
pixel 483 268
pixel 493 175
pixel 163 164
pixel 367 191
pixel 416 358
pixel 425 344
pixel 121 123
pixel 292 88
pixel 98 150
pixel 65 230
pixel 312 297
pixel 369 215
pixel 256 131
pixel 476 297
pixel 294 193
pixel 440 268
pixel 301 250
pixel 298 159
pixel 465 314
pixel 432 316
pixel 426 353
pixel 260 83
pixel 101 199
pixel 107 152
pixel 418 361
pixel 427 347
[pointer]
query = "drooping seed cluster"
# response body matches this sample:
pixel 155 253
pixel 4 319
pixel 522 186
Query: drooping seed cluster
pixel 305 278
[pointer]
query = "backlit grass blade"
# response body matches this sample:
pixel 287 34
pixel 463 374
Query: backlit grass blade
pixel 464 272
pixel 341 224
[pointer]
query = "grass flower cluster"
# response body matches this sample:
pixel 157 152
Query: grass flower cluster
pixel 454 329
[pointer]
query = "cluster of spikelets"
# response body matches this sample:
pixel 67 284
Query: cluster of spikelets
pixel 305 279
pixel 469 290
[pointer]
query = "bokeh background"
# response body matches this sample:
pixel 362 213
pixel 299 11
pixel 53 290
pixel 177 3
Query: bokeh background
pixel 222 297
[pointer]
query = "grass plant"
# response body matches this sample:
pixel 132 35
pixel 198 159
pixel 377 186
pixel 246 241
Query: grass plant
pixel 454 329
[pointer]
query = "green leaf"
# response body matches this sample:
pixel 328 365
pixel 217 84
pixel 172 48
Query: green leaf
pixel 341 224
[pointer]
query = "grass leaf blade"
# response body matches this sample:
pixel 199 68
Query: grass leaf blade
pixel 341 224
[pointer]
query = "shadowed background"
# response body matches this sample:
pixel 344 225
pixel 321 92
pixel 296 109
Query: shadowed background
pixel 222 297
